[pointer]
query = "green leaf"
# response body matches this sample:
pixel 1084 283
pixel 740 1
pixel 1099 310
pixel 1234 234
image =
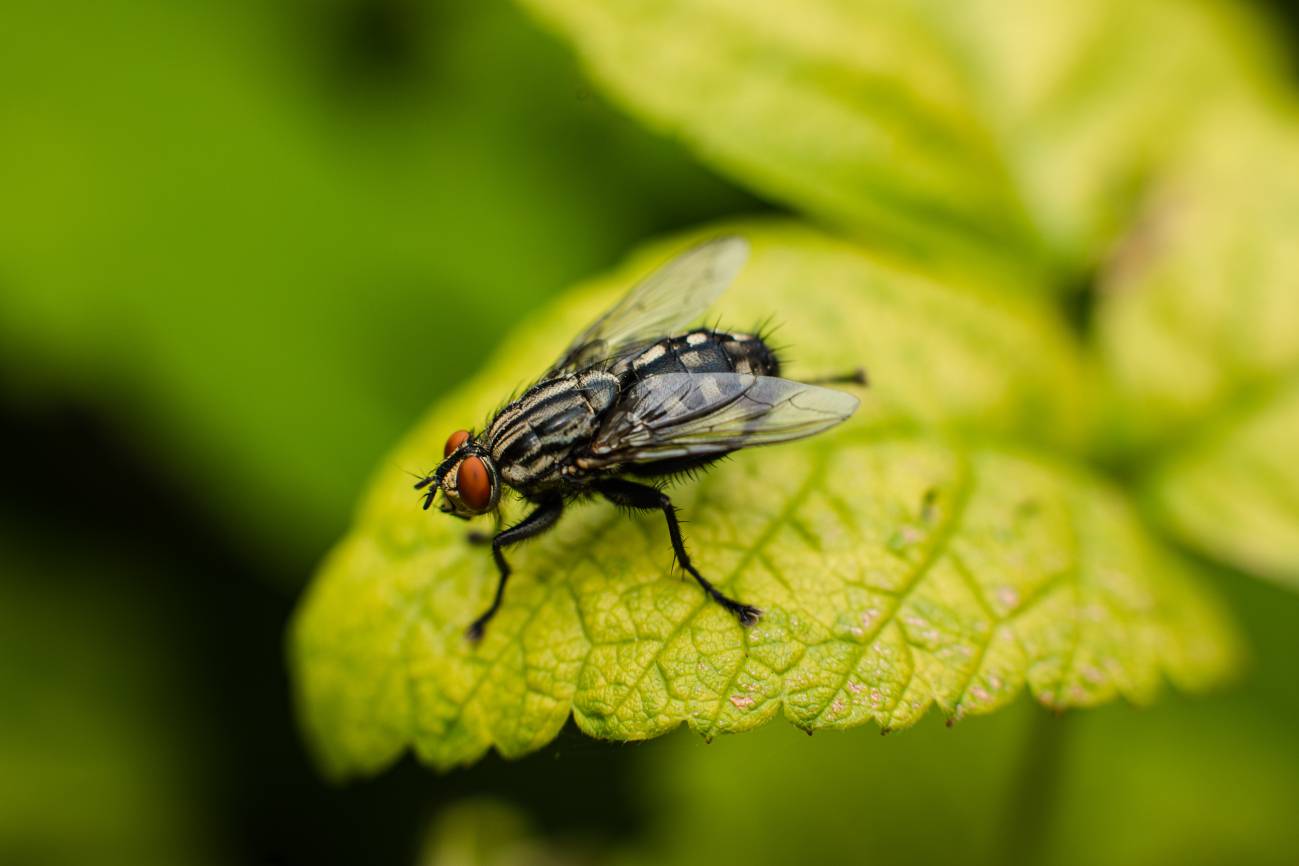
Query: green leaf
pixel 488 832
pixel 1234 491
pixel 1197 336
pixel 905 561
pixel 942 129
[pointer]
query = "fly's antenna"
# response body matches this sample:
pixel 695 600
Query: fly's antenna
pixel 431 493
pixel 433 482
pixel 424 481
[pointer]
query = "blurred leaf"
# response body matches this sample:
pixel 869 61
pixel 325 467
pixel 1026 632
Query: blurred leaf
pixel 1234 492
pixel 968 570
pixel 482 832
pixel 249 266
pixel 1198 334
pixel 1010 133
pixel 1199 302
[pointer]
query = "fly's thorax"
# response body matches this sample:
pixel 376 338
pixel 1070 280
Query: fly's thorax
pixel 701 351
pixel 532 439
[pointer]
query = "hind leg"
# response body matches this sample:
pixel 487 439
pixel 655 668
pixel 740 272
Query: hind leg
pixel 642 497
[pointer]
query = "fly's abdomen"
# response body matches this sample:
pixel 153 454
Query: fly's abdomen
pixel 701 351
pixel 531 438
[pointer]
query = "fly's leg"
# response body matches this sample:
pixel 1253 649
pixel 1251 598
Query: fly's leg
pixel 479 538
pixel 643 497
pixel 852 377
pixel 541 519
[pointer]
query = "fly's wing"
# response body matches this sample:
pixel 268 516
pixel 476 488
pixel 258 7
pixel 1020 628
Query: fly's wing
pixel 699 414
pixel 660 305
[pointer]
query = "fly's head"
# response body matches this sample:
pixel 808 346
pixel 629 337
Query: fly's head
pixel 467 478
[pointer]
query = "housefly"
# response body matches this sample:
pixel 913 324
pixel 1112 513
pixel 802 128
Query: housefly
pixel 634 401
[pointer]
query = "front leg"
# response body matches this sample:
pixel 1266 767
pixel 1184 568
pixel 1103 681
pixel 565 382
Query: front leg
pixel 482 538
pixel 542 518
pixel 643 497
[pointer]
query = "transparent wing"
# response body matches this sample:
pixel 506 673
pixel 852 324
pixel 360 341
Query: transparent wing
pixel 698 414
pixel 660 305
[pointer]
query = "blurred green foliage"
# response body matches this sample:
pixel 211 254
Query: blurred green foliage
pixel 1012 135
pixel 98 753
pixel 1198 334
pixel 260 238
pixel 263 273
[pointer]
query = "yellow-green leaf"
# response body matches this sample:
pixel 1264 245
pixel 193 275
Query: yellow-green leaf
pixel 1234 491
pixel 904 561
pixel 1198 332
pixel 1004 132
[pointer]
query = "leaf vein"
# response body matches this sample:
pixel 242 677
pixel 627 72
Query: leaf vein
pixel 941 538
pixel 814 477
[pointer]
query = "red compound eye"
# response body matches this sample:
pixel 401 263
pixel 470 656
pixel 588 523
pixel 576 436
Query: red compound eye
pixel 454 441
pixel 473 484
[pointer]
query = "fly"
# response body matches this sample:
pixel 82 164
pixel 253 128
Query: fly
pixel 635 400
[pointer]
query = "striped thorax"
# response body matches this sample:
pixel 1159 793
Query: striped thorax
pixel 533 438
